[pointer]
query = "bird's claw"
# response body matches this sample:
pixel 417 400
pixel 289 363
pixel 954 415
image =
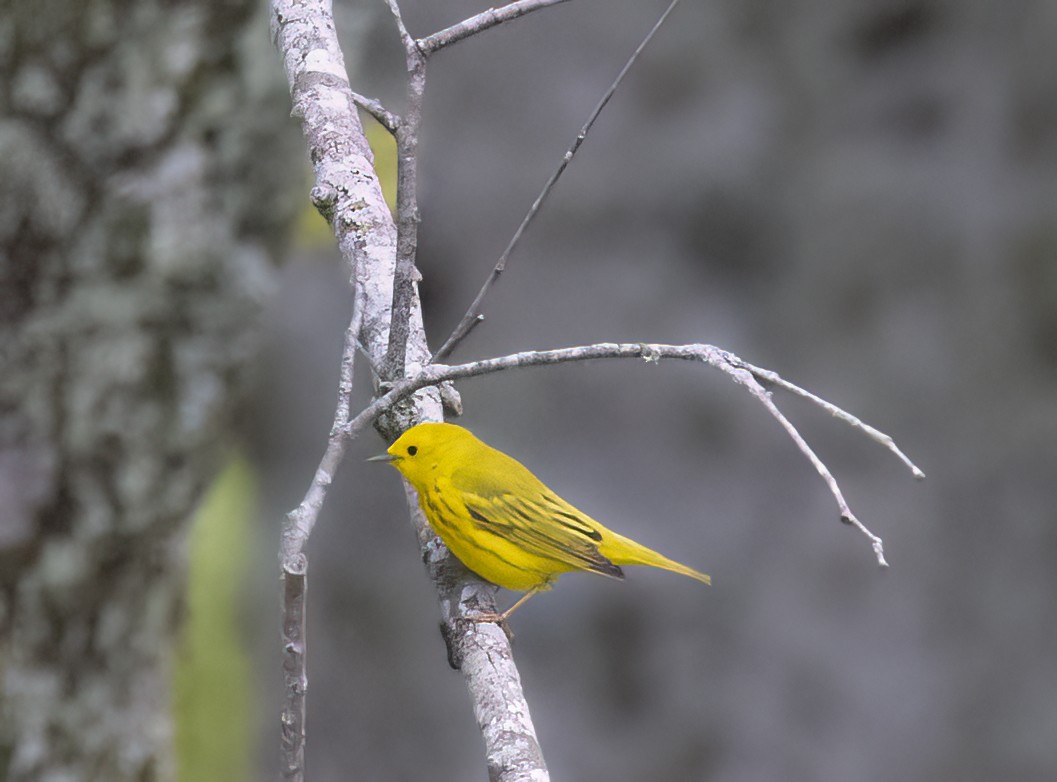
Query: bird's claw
pixel 493 617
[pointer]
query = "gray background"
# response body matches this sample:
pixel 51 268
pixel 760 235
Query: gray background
pixel 858 195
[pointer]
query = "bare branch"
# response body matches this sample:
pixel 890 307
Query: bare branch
pixel 880 437
pixel 348 359
pixel 740 371
pixel 479 23
pixel 473 315
pixel 743 375
pixel 301 520
pixel 384 117
pixel 407 216
pixel 346 190
pixel 294 568
pixel 295 681
pixel 350 198
pixel 348 194
pixel 405 37
pixel 304 35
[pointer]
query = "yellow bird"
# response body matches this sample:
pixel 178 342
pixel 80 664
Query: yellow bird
pixel 502 522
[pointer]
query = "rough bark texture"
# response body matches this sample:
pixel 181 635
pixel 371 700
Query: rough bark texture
pixel 347 192
pixel 135 230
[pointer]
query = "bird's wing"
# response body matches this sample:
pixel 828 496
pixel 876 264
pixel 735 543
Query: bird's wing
pixel 538 521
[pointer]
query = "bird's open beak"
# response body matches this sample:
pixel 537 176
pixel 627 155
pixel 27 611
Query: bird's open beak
pixel 382 457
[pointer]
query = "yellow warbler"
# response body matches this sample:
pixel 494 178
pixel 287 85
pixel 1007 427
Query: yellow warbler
pixel 502 521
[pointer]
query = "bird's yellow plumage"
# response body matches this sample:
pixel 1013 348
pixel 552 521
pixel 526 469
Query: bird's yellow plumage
pixel 501 521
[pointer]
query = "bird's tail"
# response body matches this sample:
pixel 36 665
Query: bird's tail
pixel 624 551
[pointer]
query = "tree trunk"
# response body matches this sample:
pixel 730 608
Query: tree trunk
pixel 136 228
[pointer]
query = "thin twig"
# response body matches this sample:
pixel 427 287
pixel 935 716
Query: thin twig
pixel 775 379
pixel 746 377
pixel 479 23
pixel 348 193
pixel 294 566
pixel 348 358
pixel 374 107
pixel 406 202
pixel 740 371
pixel 473 315
pixel 405 37
pixel 301 520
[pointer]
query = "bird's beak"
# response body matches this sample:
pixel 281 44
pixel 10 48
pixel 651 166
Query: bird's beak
pixel 382 457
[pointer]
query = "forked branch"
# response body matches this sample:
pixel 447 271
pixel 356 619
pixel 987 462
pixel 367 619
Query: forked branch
pixel 390 334
pixel 407 217
pixel 348 194
pixel 381 114
pixel 740 371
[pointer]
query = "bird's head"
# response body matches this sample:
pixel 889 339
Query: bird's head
pixel 424 448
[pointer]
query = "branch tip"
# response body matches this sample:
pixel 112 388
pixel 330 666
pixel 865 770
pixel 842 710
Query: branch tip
pixel 876 435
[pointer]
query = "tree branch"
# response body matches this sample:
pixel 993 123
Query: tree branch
pixel 374 107
pixel 743 373
pixel 348 194
pixel 473 315
pixel 407 216
pixel 294 568
pixel 342 159
pixel 385 300
pixel 773 378
pixel 479 23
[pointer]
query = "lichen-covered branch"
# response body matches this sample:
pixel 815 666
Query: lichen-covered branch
pixel 407 216
pixel 374 107
pixel 348 194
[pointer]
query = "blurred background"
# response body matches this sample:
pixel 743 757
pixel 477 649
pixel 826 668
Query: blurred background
pixel 859 195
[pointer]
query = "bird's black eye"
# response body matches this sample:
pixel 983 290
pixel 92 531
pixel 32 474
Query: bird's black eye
pixel 412 450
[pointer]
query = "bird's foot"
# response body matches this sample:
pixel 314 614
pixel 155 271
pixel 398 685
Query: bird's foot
pixel 493 617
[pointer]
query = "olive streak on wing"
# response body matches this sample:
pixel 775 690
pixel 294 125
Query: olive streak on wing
pixel 558 540
pixel 570 520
